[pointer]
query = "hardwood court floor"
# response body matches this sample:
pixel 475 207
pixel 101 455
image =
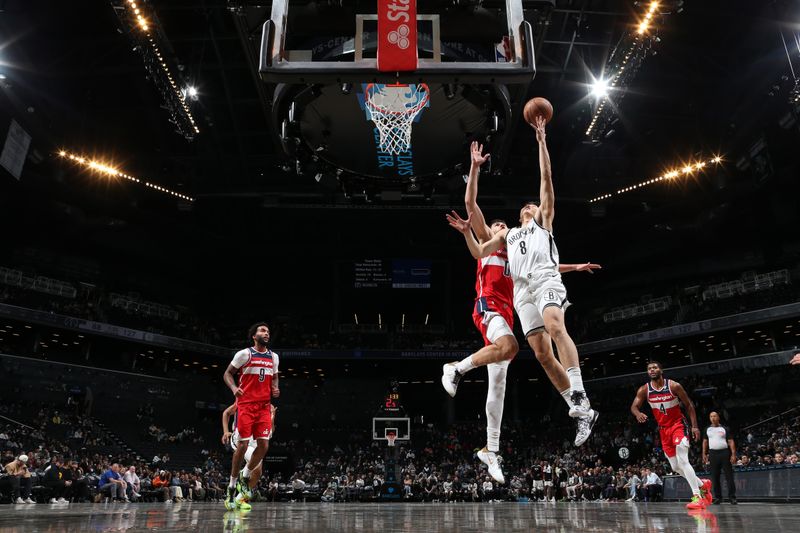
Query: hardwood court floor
pixel 399 517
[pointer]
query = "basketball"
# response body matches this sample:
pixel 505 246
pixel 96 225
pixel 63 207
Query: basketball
pixel 535 107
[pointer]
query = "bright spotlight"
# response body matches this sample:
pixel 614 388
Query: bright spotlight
pixel 191 92
pixel 600 88
pixel 717 159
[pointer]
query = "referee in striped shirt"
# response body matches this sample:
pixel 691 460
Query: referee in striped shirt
pixel 720 450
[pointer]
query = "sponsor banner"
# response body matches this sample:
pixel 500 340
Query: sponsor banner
pixel 397 30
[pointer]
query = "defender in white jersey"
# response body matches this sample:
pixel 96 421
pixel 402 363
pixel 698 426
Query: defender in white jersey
pixel 232 438
pixel 539 295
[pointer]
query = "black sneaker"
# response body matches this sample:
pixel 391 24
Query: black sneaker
pixel 732 500
pixel 230 500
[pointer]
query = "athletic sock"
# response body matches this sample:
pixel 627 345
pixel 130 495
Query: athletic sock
pixel 566 395
pixel 493 439
pixel 246 471
pixel 465 365
pixel 232 482
pixel 575 379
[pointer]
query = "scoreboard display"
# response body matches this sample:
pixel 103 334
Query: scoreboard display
pixel 392 274
pixel 391 403
pixel 372 274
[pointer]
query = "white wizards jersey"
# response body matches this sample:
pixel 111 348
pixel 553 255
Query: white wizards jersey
pixel 532 254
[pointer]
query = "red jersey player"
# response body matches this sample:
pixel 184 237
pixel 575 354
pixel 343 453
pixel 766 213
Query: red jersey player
pixel 665 398
pixel 257 367
pixel 493 316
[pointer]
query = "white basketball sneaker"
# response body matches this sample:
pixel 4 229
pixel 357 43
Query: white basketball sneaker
pixel 581 408
pixel 450 378
pixel 585 425
pixel 490 460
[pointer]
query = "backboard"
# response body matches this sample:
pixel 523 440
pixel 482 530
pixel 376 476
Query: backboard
pixel 382 425
pixel 343 50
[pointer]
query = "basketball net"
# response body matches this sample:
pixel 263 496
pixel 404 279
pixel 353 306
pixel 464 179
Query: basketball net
pixel 390 438
pixel 393 113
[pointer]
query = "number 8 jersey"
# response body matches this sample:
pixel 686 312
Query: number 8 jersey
pixel 255 374
pixel 532 254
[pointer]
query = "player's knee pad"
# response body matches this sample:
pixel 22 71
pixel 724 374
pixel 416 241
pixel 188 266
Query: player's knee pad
pixel 248 454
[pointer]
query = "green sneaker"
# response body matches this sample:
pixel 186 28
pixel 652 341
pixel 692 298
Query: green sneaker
pixel 241 503
pixel 243 486
pixel 230 500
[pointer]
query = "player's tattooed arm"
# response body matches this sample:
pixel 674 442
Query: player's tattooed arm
pixel 580 267
pixel 638 402
pixel 477 249
pixel 477 220
pixel 226 416
pixel 547 195
pixel 680 392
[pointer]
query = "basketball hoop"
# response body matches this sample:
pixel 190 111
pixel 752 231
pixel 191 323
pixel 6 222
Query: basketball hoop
pixel 393 109
pixel 391 436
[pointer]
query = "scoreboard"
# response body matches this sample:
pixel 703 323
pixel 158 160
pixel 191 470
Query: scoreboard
pixel 392 274
pixel 391 403
pixel 372 274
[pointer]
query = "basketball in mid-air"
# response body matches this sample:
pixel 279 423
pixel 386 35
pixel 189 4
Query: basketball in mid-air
pixel 535 107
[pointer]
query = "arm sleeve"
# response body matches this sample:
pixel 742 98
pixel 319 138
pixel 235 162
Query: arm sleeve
pixel 275 361
pixel 241 357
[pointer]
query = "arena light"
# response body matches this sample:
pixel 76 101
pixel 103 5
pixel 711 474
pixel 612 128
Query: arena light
pixel 146 34
pixel 644 25
pixel 622 66
pixel 600 88
pixel 111 171
pixel 686 169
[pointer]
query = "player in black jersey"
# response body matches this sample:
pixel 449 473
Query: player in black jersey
pixel 538 481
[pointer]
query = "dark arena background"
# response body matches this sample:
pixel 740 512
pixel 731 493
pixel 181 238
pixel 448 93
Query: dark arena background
pixel 174 171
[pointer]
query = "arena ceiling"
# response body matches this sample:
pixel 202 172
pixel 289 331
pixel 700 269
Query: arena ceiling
pixel 717 83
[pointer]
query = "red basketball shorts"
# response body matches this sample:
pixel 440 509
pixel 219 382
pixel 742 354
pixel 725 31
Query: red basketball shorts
pixel 671 436
pixel 253 420
pixel 493 320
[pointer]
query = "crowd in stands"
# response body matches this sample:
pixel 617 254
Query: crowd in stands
pixel 439 464
pixel 586 323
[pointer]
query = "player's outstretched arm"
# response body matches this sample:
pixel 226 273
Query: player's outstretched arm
pixel 226 416
pixel 476 217
pixel 580 267
pixel 547 196
pixel 478 250
pixel 637 404
pixel 680 392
